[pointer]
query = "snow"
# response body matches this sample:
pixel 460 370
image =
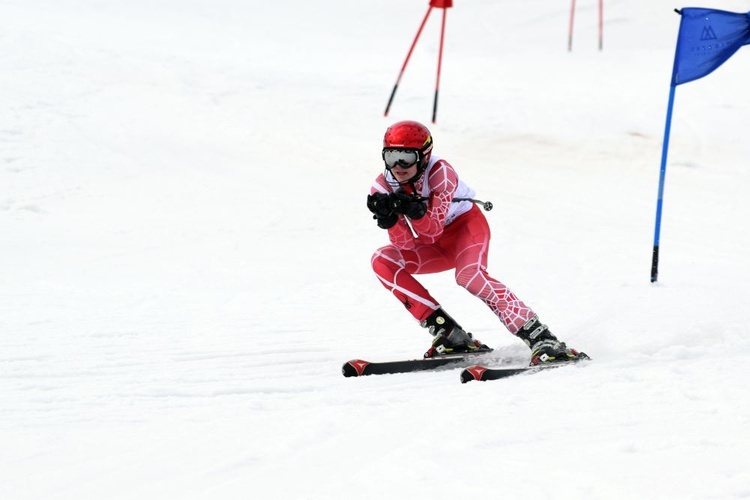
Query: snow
pixel 186 253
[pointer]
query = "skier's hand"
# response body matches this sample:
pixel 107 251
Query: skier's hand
pixel 410 205
pixel 386 222
pixel 379 204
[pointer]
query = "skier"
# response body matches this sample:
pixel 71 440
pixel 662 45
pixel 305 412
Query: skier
pixel 433 226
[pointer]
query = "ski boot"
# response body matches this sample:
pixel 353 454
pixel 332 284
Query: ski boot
pixel 449 337
pixel 545 348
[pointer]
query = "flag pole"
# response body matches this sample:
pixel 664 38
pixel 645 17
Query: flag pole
pixel 570 24
pixel 663 167
pixel 662 176
pixel 406 61
pixel 440 64
pixel 601 24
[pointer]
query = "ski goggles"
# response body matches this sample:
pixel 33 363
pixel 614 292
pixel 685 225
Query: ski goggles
pixel 404 158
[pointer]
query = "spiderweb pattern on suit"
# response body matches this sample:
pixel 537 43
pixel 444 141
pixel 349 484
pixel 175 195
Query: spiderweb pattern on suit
pixel 461 246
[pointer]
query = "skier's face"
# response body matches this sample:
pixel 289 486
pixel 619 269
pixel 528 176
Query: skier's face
pixel 403 174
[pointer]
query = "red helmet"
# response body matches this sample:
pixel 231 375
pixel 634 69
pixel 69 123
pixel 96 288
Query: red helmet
pixel 409 136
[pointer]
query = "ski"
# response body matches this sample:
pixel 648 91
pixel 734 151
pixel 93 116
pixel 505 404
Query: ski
pixel 361 368
pixel 483 373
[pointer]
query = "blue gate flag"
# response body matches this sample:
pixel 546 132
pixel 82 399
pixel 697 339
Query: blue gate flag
pixel 707 38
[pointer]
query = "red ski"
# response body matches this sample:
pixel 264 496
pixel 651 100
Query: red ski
pixel 483 373
pixel 360 367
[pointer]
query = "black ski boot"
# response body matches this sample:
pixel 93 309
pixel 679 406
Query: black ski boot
pixel 450 338
pixel 545 348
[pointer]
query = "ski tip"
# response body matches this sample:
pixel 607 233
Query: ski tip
pixel 472 373
pixel 354 368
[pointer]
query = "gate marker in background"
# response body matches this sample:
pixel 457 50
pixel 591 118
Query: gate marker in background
pixel 570 24
pixel 440 4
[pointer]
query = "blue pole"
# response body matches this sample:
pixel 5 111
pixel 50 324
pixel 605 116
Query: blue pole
pixel 662 175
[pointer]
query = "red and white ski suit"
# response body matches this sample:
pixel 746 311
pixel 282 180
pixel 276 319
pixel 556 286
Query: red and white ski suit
pixel 452 235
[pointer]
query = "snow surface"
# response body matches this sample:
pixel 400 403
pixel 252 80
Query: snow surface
pixel 185 253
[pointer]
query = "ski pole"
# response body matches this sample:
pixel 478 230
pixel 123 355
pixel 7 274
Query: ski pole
pixel 411 228
pixel 486 205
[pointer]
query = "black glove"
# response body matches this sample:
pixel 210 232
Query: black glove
pixel 410 205
pixel 379 204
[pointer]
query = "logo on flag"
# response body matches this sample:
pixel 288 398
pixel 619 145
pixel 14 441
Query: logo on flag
pixel 708 34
